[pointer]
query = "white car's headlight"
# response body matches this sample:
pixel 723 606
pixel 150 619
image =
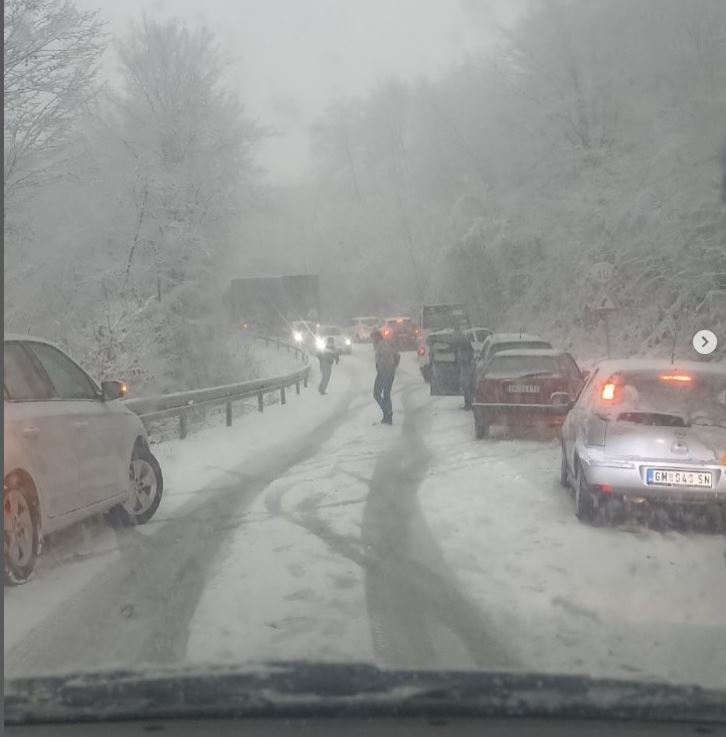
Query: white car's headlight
pixel 347 341
pixel 298 336
pixel 320 344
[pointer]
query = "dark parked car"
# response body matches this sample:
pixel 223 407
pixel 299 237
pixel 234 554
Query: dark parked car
pixel 535 386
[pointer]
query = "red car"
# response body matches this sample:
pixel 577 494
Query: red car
pixel 402 332
pixel 535 386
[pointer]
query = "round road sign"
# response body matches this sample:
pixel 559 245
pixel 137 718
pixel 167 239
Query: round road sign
pixel 602 272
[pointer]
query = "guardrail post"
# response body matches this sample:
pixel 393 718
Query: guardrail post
pixel 305 381
pixel 282 395
pixel 183 425
pixel 297 387
pixel 229 413
pixel 260 402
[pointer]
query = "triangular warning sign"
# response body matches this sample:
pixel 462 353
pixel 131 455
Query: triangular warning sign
pixel 603 302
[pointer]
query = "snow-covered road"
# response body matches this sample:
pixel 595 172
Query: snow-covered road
pixel 314 532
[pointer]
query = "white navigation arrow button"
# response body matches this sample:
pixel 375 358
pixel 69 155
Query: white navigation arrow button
pixel 705 342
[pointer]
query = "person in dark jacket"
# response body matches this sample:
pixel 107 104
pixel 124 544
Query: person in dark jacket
pixel 327 357
pixel 464 352
pixel 387 360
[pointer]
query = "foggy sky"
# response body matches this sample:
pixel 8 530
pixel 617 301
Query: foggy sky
pixel 293 57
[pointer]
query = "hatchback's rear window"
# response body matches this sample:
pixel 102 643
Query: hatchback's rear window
pixel 695 398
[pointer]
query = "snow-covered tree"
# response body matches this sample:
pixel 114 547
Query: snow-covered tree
pixel 52 52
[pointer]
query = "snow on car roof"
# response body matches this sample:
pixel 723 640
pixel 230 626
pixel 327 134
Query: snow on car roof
pixel 514 337
pixel 615 365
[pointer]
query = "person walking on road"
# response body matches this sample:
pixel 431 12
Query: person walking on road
pixel 464 352
pixel 327 357
pixel 387 360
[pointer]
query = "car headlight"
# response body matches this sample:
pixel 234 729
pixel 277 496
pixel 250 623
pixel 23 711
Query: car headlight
pixel 347 341
pixel 298 336
pixel 320 344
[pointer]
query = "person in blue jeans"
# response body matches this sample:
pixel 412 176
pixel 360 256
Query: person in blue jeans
pixel 327 357
pixel 387 360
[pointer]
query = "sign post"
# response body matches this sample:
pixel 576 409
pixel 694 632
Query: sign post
pixel 603 305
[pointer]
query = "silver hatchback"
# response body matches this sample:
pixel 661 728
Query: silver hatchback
pixel 647 430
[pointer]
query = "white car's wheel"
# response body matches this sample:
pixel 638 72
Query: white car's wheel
pixel 584 499
pixel 564 471
pixel 21 526
pixel 146 488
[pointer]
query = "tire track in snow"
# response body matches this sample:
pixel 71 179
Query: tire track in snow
pixel 419 616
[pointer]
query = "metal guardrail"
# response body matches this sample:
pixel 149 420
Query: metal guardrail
pixel 181 404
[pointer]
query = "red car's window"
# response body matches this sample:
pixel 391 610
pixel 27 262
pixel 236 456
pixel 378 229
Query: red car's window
pixel 513 366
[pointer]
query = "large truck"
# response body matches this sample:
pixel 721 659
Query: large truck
pixel 268 304
pixel 438 317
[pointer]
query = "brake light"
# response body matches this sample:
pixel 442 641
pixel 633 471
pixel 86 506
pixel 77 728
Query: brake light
pixel 682 378
pixel 608 392
pixel 421 351
pixel 604 488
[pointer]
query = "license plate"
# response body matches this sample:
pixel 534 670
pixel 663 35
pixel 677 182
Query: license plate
pixel 665 477
pixel 523 389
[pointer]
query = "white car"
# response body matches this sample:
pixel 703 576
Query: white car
pixel 647 431
pixel 341 342
pixel 360 328
pixel 303 332
pixel 71 451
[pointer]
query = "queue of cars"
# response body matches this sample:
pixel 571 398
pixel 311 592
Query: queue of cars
pixel 71 450
pixel 632 431
pixel 400 330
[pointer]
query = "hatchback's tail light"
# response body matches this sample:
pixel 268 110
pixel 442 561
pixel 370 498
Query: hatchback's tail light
pixel 421 351
pixel 608 392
